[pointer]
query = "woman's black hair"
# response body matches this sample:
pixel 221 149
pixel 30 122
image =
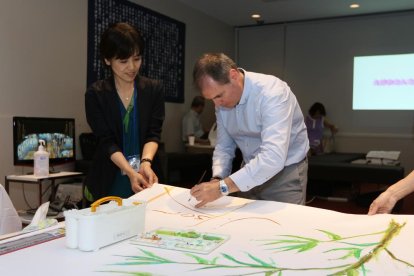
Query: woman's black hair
pixel 317 107
pixel 121 41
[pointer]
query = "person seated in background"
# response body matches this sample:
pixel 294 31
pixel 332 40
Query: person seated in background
pixel 386 201
pixel 315 123
pixel 191 124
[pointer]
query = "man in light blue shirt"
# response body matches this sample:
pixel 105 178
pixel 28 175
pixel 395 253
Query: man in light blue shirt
pixel 259 114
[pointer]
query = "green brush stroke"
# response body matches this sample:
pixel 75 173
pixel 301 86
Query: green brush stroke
pixel 298 243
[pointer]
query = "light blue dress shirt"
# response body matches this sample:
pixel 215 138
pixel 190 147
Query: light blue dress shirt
pixel 268 127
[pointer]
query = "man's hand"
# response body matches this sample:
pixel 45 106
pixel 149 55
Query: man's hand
pixel 206 192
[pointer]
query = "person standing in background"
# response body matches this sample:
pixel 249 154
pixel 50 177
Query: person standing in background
pixel 126 112
pixel 315 124
pixel 260 115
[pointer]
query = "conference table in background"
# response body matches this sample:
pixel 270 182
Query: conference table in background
pixel 328 171
pixel 266 238
pixel 340 167
pixel 199 148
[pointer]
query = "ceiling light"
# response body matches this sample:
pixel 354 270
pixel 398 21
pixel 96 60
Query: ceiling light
pixel 354 6
pixel 258 18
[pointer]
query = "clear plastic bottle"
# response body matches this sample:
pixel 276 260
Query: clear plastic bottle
pixel 41 161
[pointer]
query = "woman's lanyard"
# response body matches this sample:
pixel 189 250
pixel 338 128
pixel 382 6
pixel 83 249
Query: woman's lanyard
pixel 129 109
pixel 131 140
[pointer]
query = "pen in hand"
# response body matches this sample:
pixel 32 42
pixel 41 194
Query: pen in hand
pixel 199 181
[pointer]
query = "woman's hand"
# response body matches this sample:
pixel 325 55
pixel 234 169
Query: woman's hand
pixel 383 204
pixel 146 171
pixel 138 181
pixel 142 179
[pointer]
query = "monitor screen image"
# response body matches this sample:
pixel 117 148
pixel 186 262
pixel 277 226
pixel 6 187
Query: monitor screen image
pixel 384 82
pixel 58 134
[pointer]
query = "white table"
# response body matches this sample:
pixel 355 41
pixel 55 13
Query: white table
pixel 322 242
pixel 31 179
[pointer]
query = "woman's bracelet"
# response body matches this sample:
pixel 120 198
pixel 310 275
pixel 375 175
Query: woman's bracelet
pixel 146 160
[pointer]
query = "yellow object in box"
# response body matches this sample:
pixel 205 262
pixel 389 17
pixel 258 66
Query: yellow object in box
pixel 100 225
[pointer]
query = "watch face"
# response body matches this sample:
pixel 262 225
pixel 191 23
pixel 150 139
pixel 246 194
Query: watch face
pixel 223 188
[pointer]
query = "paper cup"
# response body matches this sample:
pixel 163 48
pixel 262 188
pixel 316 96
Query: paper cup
pixel 191 140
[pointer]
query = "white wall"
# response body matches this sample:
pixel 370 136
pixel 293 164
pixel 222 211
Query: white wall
pixel 262 49
pixel 42 71
pixel 43 52
pixel 203 34
pixel 316 60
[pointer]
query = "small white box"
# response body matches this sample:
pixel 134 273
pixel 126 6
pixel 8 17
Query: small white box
pixel 93 228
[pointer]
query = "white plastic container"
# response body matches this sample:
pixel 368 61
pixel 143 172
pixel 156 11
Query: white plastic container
pixel 93 228
pixel 41 161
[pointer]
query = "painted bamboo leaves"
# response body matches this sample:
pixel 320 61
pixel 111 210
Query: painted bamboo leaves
pixel 352 251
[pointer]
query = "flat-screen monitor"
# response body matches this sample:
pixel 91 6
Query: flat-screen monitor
pixel 58 134
pixel 384 82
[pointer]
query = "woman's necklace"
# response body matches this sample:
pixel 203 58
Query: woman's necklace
pixel 128 94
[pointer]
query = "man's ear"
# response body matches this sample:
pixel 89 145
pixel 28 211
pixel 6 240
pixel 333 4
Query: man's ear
pixel 107 62
pixel 233 74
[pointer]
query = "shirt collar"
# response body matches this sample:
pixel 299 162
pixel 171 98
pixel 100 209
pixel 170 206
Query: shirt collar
pixel 246 87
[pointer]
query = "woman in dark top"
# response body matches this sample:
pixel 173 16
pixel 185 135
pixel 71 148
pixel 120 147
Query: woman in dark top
pixel 125 112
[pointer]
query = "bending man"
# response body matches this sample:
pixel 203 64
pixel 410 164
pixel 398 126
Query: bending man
pixel 259 114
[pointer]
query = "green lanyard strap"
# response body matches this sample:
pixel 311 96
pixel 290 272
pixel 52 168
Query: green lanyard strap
pixel 125 121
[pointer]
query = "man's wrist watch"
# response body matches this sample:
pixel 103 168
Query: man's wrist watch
pixel 224 189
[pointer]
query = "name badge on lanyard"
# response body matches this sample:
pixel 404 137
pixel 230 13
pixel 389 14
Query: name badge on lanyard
pixel 134 157
pixel 134 162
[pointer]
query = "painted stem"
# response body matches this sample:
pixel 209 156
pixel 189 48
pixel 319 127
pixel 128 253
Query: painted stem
pixel 397 259
pixel 392 231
